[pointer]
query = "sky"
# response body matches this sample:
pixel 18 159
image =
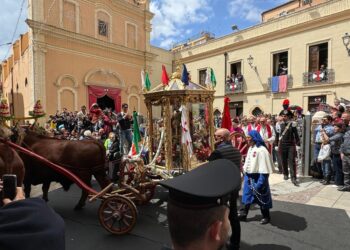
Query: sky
pixel 173 22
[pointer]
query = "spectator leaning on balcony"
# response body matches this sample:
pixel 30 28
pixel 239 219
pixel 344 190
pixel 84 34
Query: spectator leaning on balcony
pixel 282 69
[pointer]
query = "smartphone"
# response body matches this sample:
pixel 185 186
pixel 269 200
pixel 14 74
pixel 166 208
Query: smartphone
pixel 9 182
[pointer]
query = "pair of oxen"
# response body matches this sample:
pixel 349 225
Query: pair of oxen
pixel 82 158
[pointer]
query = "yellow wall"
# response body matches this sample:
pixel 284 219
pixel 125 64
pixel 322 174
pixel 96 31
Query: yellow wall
pixel 293 33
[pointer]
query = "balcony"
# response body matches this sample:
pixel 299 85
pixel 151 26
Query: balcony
pixel 234 87
pixel 319 77
pixel 278 90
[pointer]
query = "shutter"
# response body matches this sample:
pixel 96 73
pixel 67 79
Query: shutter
pixel 314 57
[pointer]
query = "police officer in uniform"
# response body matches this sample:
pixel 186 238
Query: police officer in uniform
pixel 198 205
pixel 287 141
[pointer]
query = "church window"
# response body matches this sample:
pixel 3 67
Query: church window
pixel 102 28
pixel 202 76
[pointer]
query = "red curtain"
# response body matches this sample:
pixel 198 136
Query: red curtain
pixel 98 92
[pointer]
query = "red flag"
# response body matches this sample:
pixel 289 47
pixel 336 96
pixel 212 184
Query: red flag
pixel 165 78
pixel 226 117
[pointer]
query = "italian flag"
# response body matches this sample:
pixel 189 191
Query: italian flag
pixel 134 150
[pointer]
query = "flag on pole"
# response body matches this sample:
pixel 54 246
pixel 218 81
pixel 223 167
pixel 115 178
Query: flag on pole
pixel 165 78
pixel 184 77
pixel 226 117
pixel 212 78
pixel 134 150
pixel 208 78
pixel 143 80
pixel 185 135
pixel 146 83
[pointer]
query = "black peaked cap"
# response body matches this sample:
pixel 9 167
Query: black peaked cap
pixel 208 185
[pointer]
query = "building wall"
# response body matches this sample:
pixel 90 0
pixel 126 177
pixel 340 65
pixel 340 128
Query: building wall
pixel 288 8
pixel 17 87
pixel 293 33
pixel 66 53
pixel 164 57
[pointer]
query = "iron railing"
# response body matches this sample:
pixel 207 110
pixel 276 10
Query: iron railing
pixel 319 77
pixel 289 83
pixel 234 88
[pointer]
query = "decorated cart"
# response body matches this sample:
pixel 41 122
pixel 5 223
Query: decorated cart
pixel 180 123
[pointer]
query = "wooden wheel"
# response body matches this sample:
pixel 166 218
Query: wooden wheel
pixel 239 141
pixel 117 214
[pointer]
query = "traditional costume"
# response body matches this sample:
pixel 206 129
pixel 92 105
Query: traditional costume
pixel 268 134
pixel 256 188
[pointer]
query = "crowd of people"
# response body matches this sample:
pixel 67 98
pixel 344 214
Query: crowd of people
pixel 282 135
pixel 95 123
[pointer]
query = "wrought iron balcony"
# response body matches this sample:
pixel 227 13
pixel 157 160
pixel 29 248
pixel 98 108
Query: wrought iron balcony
pixel 289 83
pixel 319 77
pixel 234 87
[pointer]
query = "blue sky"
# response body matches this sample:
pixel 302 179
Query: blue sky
pixel 174 21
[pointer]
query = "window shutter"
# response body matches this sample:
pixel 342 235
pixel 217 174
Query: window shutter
pixel 314 57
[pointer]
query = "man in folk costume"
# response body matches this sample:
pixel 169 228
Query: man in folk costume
pixel 267 133
pixel 287 139
pixel 257 168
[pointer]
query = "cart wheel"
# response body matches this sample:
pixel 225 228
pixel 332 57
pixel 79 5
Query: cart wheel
pixel 117 214
pixel 148 194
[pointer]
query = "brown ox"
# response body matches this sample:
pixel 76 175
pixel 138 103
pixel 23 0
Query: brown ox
pixel 11 163
pixel 83 158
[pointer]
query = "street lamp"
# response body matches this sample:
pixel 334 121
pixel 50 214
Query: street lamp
pixel 250 60
pixel 346 41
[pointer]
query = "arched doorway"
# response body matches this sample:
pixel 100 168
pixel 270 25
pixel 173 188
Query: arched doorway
pixel 106 102
pixel 105 97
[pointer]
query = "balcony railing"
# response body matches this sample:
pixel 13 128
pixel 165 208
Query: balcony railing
pixel 234 87
pixel 289 84
pixel 319 77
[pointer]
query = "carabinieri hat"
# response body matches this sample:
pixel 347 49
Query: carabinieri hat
pixel 209 185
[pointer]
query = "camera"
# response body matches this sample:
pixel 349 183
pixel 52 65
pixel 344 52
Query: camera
pixel 9 182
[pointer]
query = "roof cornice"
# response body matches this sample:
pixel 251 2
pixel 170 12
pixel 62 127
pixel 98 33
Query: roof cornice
pixel 301 27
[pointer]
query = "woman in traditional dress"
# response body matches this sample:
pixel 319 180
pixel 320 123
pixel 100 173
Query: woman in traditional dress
pixel 257 168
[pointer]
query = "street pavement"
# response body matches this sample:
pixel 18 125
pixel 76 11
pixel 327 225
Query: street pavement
pixel 310 216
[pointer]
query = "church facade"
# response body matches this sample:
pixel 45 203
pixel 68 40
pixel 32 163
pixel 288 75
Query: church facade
pixel 79 52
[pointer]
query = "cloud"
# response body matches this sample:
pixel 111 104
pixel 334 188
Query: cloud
pixel 247 10
pixel 9 13
pixel 172 18
pixel 250 10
